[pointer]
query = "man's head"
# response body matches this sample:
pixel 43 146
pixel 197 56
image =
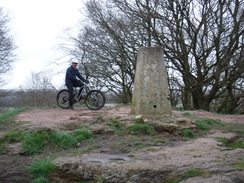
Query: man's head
pixel 74 62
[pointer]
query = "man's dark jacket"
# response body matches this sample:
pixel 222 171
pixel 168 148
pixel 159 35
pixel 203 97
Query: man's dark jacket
pixel 71 75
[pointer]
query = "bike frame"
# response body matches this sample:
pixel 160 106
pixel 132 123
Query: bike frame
pixel 84 90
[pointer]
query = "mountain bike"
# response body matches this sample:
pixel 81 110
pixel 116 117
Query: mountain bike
pixel 93 99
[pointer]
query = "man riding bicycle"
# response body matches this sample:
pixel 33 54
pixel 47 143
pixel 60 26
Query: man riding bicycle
pixel 71 81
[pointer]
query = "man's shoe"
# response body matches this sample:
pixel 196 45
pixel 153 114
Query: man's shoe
pixel 71 107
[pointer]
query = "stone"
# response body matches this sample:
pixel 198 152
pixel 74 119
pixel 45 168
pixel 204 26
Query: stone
pixel 151 92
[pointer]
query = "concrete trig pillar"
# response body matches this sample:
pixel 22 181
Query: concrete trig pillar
pixel 151 92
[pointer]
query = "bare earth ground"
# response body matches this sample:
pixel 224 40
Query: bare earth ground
pixel 204 152
pixel 56 117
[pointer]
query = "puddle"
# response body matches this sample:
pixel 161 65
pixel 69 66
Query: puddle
pixel 104 158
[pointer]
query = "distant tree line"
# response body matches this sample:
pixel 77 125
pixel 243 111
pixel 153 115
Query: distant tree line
pixel 202 41
pixel 36 92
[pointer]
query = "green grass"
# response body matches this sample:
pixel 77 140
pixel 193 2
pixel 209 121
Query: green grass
pixel 237 128
pixel 172 180
pixel 193 173
pixel 142 128
pixel 188 115
pixel 41 168
pixel 81 135
pixel 203 125
pixel 239 163
pixel 8 116
pixel 13 135
pixel 115 124
pixel 188 133
pixel 139 120
pixel 100 117
pixel 233 143
pixel 63 140
pixel 188 174
pixel 34 142
pixel 41 180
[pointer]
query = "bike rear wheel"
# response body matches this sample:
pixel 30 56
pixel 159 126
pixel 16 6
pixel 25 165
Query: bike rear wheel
pixel 63 99
pixel 95 100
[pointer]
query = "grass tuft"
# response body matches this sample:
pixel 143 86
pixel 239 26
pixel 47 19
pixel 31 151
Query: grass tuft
pixel 188 115
pixel 41 168
pixel 100 117
pixel 193 173
pixel 13 135
pixel 115 124
pixel 233 143
pixel 147 129
pixel 81 135
pixel 203 125
pixel 63 139
pixel 33 143
pixel 240 163
pixel 139 120
pixel 188 133
pixel 40 180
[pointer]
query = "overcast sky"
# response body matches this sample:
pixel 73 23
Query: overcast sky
pixel 36 26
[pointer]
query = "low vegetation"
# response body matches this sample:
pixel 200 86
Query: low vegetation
pixel 205 124
pixel 188 133
pixel 188 174
pixel 35 142
pixel 8 116
pixel 115 124
pixel 143 128
pixel 232 143
pixel 194 173
pixel 40 169
pixel 13 135
pixel 239 163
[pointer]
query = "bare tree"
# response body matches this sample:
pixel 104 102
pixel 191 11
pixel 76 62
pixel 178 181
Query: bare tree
pixel 7 46
pixel 203 43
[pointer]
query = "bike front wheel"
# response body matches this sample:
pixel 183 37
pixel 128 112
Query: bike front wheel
pixel 95 100
pixel 63 99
